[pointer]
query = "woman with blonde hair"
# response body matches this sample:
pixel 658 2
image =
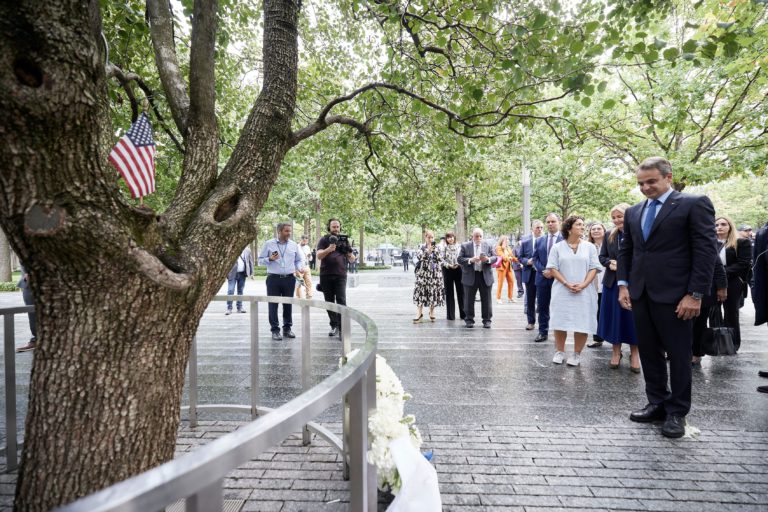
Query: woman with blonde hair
pixel 616 325
pixel 429 290
pixel 504 270
pixel 736 254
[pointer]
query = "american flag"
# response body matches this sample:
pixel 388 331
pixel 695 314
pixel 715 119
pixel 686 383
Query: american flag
pixel 134 157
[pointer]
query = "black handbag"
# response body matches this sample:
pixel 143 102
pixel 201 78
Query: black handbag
pixel 717 339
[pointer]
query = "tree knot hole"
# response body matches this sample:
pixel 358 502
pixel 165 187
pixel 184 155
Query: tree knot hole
pixel 27 72
pixel 227 208
pixel 44 220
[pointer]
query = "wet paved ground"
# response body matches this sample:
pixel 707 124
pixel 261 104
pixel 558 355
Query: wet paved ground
pixel 510 431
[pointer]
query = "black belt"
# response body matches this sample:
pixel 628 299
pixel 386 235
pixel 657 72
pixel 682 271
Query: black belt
pixel 279 275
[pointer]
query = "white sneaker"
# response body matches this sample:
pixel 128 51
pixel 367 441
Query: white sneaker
pixel 559 357
pixel 574 360
pixel 498 301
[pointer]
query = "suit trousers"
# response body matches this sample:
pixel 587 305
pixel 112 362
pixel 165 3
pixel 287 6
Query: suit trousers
pixel 543 296
pixel 659 331
pixel 485 299
pixel 530 298
pixel 452 281
pixel 731 307
pixel 29 300
pixel 280 286
pixel 334 290
pixel 519 281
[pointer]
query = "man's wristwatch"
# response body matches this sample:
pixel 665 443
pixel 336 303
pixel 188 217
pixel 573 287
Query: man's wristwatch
pixel 697 295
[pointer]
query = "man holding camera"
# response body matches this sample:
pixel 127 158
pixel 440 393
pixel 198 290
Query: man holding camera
pixel 334 251
pixel 282 258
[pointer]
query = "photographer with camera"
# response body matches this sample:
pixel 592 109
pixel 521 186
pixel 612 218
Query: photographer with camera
pixel 334 251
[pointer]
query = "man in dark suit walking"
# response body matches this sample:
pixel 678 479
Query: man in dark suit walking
pixel 665 266
pixel 544 277
pixel 529 271
pixel 475 258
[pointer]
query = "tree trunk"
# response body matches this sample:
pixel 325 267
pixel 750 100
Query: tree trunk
pixel 361 249
pixel 318 221
pixel 119 290
pixel 6 271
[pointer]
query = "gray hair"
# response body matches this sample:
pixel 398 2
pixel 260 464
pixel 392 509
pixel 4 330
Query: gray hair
pixel 536 223
pixel 659 163
pixel 477 230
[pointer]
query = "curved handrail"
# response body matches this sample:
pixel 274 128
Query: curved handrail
pixel 199 475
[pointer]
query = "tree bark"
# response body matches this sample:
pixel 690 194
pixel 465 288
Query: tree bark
pixel 461 217
pixel 119 295
pixel 5 259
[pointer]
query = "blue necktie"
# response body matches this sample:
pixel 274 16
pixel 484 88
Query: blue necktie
pixel 649 218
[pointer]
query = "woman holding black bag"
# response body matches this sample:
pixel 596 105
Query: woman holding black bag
pixel 717 294
pixel 736 255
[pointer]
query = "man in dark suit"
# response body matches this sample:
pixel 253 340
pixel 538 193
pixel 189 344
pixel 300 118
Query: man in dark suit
pixel 529 272
pixel 544 277
pixel 665 267
pixel 760 288
pixel 406 256
pixel 475 258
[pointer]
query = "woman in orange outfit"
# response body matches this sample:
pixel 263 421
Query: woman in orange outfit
pixel 504 270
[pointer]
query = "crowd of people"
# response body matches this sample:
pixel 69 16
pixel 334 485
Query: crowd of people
pixel 652 283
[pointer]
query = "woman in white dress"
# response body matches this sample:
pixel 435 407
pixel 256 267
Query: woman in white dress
pixel 573 307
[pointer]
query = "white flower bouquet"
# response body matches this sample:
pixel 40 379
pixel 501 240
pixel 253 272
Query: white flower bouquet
pixel 388 422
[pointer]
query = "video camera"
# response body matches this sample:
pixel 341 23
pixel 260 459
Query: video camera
pixel 341 242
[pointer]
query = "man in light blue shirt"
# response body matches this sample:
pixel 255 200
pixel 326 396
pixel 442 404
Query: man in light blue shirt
pixel 283 260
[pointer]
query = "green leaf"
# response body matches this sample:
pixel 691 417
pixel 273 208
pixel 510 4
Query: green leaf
pixel 539 21
pixel 477 94
pixel 586 101
pixel 609 104
pixel 659 43
pixel 639 48
pixel 577 46
pixel 671 54
pixel 467 16
pixel 689 56
pixel 591 26
pixel 601 86
pixel 690 46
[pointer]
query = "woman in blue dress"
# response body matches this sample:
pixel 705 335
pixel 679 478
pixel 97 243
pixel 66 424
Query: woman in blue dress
pixel 616 325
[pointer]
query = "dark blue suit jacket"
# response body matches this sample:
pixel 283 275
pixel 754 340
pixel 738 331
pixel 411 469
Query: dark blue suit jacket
pixel 526 253
pixel 760 269
pixel 679 255
pixel 540 255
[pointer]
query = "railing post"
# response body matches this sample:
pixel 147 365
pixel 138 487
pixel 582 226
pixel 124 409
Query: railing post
pixel 306 364
pixel 373 482
pixel 207 499
pixel 11 457
pixel 193 383
pixel 362 494
pixel 254 359
pixel 346 348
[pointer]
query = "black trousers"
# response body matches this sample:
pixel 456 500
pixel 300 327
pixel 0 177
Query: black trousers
pixel 700 323
pixel 405 264
pixel 26 295
pixel 530 298
pixel 452 281
pixel 731 307
pixel 659 331
pixel 280 286
pixel 543 298
pixel 485 299
pixel 334 290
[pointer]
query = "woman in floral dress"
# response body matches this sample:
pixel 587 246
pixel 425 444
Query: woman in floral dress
pixel 429 290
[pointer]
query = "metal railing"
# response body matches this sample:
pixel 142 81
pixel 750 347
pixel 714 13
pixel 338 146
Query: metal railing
pixel 198 477
pixel 12 444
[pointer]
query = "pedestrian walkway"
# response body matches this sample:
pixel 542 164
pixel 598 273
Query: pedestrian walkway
pixel 510 431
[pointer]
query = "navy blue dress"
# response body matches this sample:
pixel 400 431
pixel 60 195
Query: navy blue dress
pixel 615 324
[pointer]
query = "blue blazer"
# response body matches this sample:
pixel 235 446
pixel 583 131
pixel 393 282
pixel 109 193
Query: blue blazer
pixel 526 253
pixel 679 256
pixel 540 256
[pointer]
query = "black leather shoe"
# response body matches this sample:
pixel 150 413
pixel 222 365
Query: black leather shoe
pixel 276 336
pixel 540 337
pixel 763 373
pixel 486 325
pixel 288 334
pixel 334 331
pixel 469 325
pixel 648 414
pixel 762 389
pixel 674 426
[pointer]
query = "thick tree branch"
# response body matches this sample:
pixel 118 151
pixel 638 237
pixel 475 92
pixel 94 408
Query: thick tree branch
pixel 202 84
pixel 320 125
pixel 161 31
